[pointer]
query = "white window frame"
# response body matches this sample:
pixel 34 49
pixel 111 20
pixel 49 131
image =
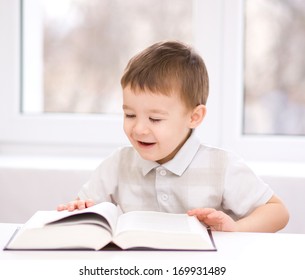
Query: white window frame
pixel 222 45
pixel 252 147
pixel 219 38
pixel 43 133
pixel 31 80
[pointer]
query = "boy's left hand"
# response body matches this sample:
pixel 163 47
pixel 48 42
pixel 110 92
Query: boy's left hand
pixel 217 220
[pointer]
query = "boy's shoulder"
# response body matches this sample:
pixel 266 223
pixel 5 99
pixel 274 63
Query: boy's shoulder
pixel 213 150
pixel 213 153
pixel 126 150
pixel 120 156
pixel 125 153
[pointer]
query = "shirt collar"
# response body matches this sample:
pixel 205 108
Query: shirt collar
pixel 181 160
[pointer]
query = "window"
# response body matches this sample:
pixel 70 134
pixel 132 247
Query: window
pixel 59 93
pixel 82 48
pixel 219 34
pixel 245 129
pixel 274 67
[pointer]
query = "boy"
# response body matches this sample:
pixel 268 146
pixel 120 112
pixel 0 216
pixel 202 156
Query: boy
pixel 165 89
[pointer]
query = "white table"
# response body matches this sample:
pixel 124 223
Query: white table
pixel 251 255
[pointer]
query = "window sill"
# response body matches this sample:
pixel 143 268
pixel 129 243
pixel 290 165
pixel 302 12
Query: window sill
pixel 279 169
pixel 262 169
pixel 49 163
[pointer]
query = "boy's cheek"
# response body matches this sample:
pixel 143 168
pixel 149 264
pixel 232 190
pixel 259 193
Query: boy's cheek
pixel 126 128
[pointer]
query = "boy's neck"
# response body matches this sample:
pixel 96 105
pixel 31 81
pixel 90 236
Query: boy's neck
pixel 174 152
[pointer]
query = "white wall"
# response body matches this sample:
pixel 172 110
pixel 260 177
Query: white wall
pixel 292 192
pixel 31 184
pixel 24 190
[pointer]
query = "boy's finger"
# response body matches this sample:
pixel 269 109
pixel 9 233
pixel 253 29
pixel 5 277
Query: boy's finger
pixel 191 212
pixel 81 204
pixel 89 203
pixel 208 211
pixel 61 207
pixel 71 205
pixel 201 213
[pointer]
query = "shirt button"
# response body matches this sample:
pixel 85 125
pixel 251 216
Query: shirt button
pixel 164 197
pixel 163 172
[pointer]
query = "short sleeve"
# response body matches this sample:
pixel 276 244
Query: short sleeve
pixel 103 181
pixel 243 189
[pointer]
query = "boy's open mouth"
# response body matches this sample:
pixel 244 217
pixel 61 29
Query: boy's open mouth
pixel 146 144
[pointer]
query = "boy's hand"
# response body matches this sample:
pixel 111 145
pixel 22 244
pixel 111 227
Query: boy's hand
pixel 76 204
pixel 217 220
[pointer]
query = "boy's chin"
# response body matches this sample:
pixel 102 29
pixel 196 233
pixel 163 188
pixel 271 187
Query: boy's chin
pixel 161 159
pixel 148 156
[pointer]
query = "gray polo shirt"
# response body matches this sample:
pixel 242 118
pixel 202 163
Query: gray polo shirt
pixel 198 176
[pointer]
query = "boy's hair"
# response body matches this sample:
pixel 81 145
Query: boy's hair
pixel 167 68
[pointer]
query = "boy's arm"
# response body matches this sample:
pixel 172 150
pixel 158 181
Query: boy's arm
pixel 76 204
pixel 269 217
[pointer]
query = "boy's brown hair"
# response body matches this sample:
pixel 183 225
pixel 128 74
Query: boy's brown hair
pixel 169 67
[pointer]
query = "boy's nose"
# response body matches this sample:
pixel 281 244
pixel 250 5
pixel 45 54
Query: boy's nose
pixel 140 128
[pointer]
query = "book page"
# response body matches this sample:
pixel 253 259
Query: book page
pixel 105 214
pixel 53 229
pixel 107 210
pixel 157 221
pixel 159 230
pixel 88 236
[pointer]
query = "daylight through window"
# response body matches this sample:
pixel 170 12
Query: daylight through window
pixel 274 67
pixel 85 45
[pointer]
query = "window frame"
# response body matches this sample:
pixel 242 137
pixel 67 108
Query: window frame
pixel 75 133
pixel 252 147
pixel 218 38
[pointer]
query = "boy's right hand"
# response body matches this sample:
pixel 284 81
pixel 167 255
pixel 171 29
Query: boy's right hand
pixel 76 204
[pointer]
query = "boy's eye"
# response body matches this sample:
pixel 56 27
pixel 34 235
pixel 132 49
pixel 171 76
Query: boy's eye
pixel 129 116
pixel 154 120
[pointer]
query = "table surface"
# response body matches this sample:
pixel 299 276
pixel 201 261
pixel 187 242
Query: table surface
pixel 230 245
pixel 280 254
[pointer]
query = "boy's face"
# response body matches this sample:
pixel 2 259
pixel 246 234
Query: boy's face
pixel 156 125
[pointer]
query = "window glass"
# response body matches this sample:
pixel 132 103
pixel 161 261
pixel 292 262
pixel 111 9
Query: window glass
pixel 85 46
pixel 274 100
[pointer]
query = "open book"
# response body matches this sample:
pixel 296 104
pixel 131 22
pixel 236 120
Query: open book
pixel 99 225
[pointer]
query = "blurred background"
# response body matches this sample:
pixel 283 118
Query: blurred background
pixel 274 67
pixel 83 56
pixel 60 95
pixel 87 44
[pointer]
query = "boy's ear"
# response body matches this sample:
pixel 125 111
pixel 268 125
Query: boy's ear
pixel 197 115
